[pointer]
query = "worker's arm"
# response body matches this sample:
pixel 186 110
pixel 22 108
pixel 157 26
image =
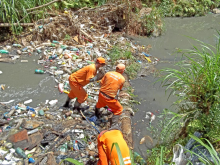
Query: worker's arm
pixel 98 76
pixel 91 72
pixel 102 155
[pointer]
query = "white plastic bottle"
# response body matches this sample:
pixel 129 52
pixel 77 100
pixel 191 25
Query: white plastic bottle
pixel 53 102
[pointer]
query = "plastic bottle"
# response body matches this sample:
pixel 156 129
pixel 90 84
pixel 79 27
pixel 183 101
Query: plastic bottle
pixel 38 51
pixel 55 42
pixel 141 161
pixel 20 152
pixel 32 131
pixel 74 49
pixel 75 145
pixel 58 72
pixel 30 108
pixel 28 101
pixel 53 57
pixel 53 45
pixel 24 49
pixel 63 47
pixel 4 51
pixel 38 71
pixel 90 62
pixel 53 67
pixel 53 102
pixel 16 45
pixel 59 51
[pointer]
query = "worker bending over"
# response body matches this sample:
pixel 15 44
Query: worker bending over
pixel 105 141
pixel 79 79
pixel 111 84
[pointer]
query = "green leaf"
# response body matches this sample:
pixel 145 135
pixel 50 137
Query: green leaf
pixel 120 158
pixel 72 161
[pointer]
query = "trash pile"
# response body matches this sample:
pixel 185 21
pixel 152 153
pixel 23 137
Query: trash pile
pixel 47 134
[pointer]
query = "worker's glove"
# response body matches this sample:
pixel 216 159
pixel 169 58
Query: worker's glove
pixel 99 75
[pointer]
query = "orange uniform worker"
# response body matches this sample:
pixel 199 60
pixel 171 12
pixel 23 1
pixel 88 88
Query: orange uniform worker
pixel 81 78
pixel 105 141
pixel 111 84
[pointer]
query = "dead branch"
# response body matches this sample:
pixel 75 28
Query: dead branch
pixel 38 7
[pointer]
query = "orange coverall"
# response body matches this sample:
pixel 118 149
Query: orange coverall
pixel 105 141
pixel 78 80
pixel 110 84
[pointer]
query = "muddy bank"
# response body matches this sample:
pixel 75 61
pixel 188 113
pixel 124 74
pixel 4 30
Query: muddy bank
pixel 152 96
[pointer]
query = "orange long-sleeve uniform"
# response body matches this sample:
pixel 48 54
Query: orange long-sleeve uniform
pixel 105 141
pixel 79 79
pixel 110 84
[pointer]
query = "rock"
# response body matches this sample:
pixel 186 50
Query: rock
pixel 216 11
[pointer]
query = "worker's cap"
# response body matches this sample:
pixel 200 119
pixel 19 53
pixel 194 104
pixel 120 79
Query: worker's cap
pixel 100 60
pixel 120 67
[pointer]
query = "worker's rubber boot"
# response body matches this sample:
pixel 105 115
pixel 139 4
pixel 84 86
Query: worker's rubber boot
pixel 78 106
pixel 67 103
pixel 97 112
pixel 114 121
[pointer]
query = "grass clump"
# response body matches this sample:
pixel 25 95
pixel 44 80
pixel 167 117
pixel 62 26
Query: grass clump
pixel 195 82
pixel 118 53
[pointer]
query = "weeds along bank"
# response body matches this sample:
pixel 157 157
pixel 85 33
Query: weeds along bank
pixel 18 15
pixel 195 82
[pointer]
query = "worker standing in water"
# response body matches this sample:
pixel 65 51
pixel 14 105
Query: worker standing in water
pixel 111 84
pixel 79 79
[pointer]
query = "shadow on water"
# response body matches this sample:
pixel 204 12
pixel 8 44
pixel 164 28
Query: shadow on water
pixel 152 96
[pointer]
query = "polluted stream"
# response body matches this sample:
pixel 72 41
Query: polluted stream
pixel 151 95
pixel 21 83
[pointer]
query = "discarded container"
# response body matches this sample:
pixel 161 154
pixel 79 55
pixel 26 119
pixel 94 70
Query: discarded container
pixel 58 72
pixel 4 51
pixel 55 42
pixel 139 159
pixel 1 72
pixel 75 145
pixel 38 71
pixel 53 102
pixel 30 108
pixel 53 57
pixel 49 116
pixel 41 112
pixel 16 45
pixel 31 160
pixel 53 67
pixel 32 131
pixel 20 152
pixel 28 101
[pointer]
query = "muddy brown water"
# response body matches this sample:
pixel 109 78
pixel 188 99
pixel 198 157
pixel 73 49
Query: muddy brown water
pixel 23 84
pixel 152 96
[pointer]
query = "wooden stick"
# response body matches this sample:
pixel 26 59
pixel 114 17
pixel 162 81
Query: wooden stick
pixel 15 24
pixel 47 4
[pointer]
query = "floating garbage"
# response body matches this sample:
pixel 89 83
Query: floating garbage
pixel 151 116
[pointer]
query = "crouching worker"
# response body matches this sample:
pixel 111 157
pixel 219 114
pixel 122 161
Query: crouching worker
pixel 81 78
pixel 111 84
pixel 105 141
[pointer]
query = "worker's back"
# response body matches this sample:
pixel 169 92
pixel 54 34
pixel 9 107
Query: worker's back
pixel 84 75
pixel 111 83
pixel 115 136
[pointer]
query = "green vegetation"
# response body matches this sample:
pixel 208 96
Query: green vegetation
pixel 196 85
pixel 183 8
pixel 118 53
